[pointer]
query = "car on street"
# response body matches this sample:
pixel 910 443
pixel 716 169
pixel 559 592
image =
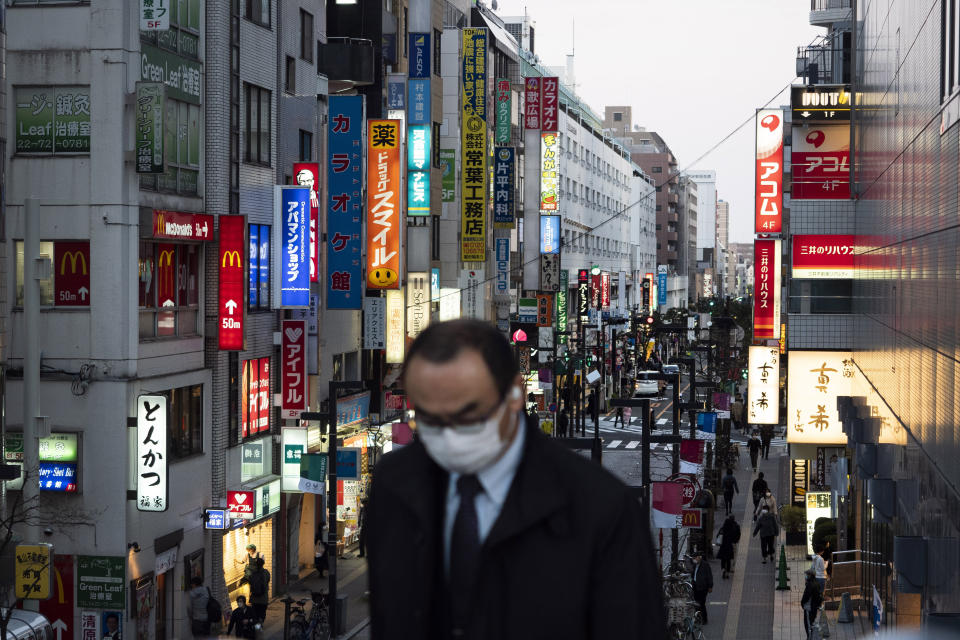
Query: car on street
pixel 671 369
pixel 647 383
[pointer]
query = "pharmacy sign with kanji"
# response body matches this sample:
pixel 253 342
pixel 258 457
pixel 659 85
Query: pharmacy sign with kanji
pixel 151 453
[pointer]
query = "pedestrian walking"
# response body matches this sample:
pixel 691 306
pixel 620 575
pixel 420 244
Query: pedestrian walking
pixel 563 423
pixel 770 503
pixel 258 579
pixel 619 418
pixel 321 562
pixel 755 445
pixel 362 526
pixel 197 608
pixel 481 517
pixel 728 536
pixel 810 601
pixel 242 622
pixel 819 566
pixel 729 485
pixel 702 583
pixel 768 529
pixel 736 414
pixel 758 489
pixel 593 409
pixel 766 435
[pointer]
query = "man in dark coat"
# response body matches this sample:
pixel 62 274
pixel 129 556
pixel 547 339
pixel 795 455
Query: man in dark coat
pixel 768 529
pixel 563 423
pixel 473 526
pixel 702 583
pixel 811 600
pixel 755 446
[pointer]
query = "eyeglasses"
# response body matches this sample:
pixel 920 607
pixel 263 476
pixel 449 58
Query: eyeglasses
pixel 422 417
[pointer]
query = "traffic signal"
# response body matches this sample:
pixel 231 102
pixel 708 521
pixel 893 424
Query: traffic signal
pixel 743 374
pixel 649 320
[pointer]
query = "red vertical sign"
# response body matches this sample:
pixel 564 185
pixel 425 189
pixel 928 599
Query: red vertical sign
pixel 245 397
pixel 769 171
pixel 766 289
pixel 59 608
pixel 233 282
pixel 293 368
pixel 595 286
pixel 307 174
pixel 549 105
pixel 604 290
pixel 531 103
pixel 72 274
pixel 263 403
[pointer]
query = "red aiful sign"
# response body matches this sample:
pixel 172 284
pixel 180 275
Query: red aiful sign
pixel 233 282
pixel 769 171
pixel 240 504
pixel 766 290
pixel 531 103
pixel 293 368
pixel 72 277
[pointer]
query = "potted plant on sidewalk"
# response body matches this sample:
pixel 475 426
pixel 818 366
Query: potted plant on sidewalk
pixel 794 520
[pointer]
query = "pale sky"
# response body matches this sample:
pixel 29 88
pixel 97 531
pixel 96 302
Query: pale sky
pixel 691 69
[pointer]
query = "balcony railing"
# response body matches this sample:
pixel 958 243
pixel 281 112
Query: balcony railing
pixel 826 60
pixel 827 5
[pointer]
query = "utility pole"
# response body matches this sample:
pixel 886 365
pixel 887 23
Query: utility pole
pixel 675 468
pixel 693 395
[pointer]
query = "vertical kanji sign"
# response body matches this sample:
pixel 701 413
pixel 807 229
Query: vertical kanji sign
pixel 531 103
pixel 549 105
pixel 766 290
pixel 763 385
pixel 233 282
pixel 151 453
pixel 473 161
pixel 344 202
pixel 383 204
pixel 769 171
pixel 291 229
pixel 293 379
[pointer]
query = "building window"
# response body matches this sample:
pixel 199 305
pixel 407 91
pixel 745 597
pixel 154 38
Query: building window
pixel 406 31
pixel 291 71
pixel 306 35
pixel 46 285
pixel 259 11
pixel 435 238
pixel 306 145
pixel 258 124
pixel 436 145
pixel 258 267
pixel 657 170
pixel 659 188
pixel 185 422
pixel 437 34
pixel 182 144
pixel 617 116
pixel 169 289
pixel 659 207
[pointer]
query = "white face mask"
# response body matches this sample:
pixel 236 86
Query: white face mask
pixel 464 449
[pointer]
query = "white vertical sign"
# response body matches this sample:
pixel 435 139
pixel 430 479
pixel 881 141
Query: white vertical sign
pixel 396 337
pixel 471 281
pixel 294 441
pixel 814 380
pixel 151 453
pixel 763 385
pixel 418 303
pixel 449 304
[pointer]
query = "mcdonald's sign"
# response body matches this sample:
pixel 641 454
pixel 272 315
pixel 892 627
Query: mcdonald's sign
pixel 233 282
pixel 71 276
pixel 691 518
pixel 167 275
pixel 174 225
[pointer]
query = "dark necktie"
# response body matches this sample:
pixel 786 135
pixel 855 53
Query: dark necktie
pixel 464 550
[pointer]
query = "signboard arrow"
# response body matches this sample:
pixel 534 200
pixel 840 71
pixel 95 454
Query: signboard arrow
pixel 59 626
pixel 806 114
pixel 83 291
pixel 230 306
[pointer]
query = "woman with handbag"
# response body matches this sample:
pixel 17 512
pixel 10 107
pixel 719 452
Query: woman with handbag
pixel 728 536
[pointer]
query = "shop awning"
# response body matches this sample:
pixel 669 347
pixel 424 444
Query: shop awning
pixel 501 37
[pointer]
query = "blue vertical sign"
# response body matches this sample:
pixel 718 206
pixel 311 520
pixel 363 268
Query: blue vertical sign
pixel 418 170
pixel 419 55
pixel 264 233
pixel 419 105
pixel 291 228
pixel 549 234
pixel 504 183
pixel 434 284
pixel 418 193
pixel 661 289
pixel 396 92
pixel 502 254
pixel 344 202
pixel 253 265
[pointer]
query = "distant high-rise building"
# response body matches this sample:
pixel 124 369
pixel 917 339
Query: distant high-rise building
pixel 723 222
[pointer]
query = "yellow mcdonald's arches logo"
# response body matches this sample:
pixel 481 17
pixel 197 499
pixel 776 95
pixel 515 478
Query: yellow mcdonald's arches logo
pixel 166 258
pixel 74 257
pixel 160 227
pixel 166 275
pixel 232 256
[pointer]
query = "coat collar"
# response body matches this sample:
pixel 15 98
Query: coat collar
pixel 536 492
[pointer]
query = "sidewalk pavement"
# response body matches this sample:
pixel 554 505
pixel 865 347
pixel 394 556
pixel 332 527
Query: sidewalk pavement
pixel 352 582
pixel 747 606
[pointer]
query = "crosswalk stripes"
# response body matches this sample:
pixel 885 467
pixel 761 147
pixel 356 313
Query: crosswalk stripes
pixel 632 444
pixel 614 444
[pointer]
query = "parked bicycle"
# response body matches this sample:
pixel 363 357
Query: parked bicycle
pixel 316 626
pixel 684 619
